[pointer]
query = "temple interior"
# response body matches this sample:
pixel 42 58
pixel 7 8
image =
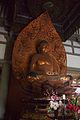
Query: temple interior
pixel 39 60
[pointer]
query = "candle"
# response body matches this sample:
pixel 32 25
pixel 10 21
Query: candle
pixel 64 96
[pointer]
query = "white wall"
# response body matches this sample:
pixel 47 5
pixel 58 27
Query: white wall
pixel 2 46
pixel 73 61
pixel 2 50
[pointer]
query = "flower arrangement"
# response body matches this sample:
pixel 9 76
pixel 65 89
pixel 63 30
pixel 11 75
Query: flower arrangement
pixel 54 104
pixel 73 107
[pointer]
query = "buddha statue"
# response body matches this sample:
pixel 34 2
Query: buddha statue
pixel 43 67
pixel 42 63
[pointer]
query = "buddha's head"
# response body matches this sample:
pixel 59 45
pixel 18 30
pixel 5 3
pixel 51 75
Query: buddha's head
pixel 43 47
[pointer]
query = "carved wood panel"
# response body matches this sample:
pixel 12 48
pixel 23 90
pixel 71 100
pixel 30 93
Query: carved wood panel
pixel 25 46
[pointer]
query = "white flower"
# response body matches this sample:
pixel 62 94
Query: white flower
pixel 77 90
pixel 54 105
pixel 51 104
pixel 57 104
pixel 60 103
pixel 55 108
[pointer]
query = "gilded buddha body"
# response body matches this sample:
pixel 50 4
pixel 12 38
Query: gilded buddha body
pixel 42 63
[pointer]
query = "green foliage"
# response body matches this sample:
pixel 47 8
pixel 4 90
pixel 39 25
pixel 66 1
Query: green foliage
pixel 74 102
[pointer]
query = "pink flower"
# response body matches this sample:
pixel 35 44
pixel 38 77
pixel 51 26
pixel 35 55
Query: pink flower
pixel 78 107
pixel 74 108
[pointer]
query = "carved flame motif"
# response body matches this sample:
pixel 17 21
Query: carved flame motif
pixel 25 45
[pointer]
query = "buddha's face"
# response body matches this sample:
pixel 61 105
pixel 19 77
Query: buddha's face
pixel 44 47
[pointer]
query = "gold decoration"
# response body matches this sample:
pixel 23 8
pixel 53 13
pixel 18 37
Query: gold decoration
pixel 25 45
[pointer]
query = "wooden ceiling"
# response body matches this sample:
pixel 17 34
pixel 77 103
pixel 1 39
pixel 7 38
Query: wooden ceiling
pixel 64 13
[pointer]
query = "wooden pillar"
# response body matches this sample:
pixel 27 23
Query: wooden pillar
pixel 5 77
pixel 4 87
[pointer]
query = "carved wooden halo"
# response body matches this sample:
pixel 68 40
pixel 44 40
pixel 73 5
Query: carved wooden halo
pixel 25 45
